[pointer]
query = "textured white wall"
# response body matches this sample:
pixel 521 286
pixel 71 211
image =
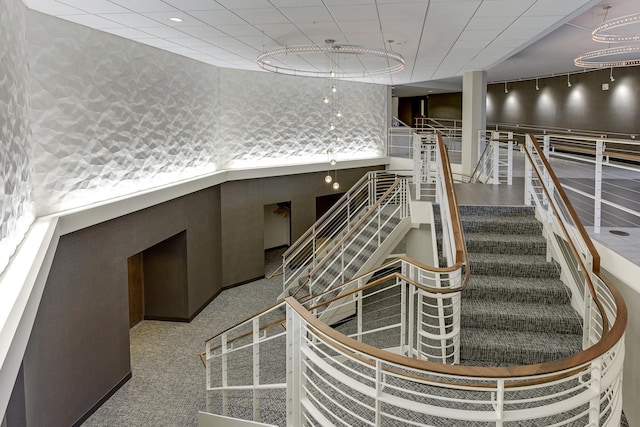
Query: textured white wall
pixel 112 117
pixel 16 192
pixel 276 119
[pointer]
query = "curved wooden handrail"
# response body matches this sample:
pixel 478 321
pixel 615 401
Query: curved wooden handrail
pixel 595 256
pixel 560 366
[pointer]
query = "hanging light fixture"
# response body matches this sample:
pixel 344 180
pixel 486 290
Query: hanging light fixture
pixel 328 178
pixel 604 33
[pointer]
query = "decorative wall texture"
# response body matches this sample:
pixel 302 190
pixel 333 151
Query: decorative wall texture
pixel 111 116
pixel 276 119
pixel 16 192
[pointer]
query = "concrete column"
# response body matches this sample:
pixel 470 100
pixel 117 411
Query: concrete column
pixel 474 116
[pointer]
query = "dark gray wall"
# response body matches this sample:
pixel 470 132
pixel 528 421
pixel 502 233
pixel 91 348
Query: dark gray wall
pixel 243 216
pixel 165 279
pixel 79 346
pixel 583 106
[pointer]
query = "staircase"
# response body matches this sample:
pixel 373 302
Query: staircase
pixel 515 310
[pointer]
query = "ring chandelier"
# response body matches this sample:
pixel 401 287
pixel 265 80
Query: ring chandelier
pixel 394 60
pixel 604 33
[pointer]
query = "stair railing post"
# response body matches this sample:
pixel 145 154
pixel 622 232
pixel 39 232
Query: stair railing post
pixel 595 385
pixel 403 316
pixel 256 369
pixel 510 159
pixel 528 174
pixel 498 404
pixel 597 207
pixel 495 157
pixel 225 380
pixel 379 385
pixel 296 331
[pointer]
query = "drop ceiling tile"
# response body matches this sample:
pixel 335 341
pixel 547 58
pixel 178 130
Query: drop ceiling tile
pixel 350 2
pixel 95 6
pixel 278 30
pixel 220 17
pixel 539 23
pixel 163 32
pixel 262 16
pixel 307 14
pixel 129 33
pixel 485 23
pixel 53 8
pixel 403 12
pixel 511 8
pixel 192 5
pixel 202 31
pixel 192 42
pixel 181 50
pixel 353 13
pixel 244 4
pixel 133 20
pixel 164 18
pixel 239 30
pixel 159 43
pixel 295 3
pixel 93 21
pixel 145 5
pixel 555 7
pixel 210 50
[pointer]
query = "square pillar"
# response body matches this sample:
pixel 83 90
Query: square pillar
pixel 474 116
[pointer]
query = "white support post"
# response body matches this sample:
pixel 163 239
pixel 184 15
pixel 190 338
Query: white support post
pixel 403 316
pixel 225 382
pixel 295 389
pixel 510 159
pixel 597 207
pixel 499 403
pixel 528 172
pixel 495 147
pixel 378 421
pixel 359 311
pixel 256 368
pixel 595 385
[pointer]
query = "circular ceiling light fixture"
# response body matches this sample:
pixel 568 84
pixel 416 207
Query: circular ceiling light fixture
pixel 311 61
pixel 602 33
pixel 613 31
pixel 595 58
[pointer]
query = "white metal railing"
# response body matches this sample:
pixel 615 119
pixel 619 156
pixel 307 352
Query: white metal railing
pixel 495 158
pixel 307 252
pixel 401 139
pixel 344 259
pixel 604 183
pixel 359 372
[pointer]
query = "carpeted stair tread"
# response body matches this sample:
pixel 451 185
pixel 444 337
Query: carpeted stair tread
pixel 522 289
pixel 506 243
pixel 484 347
pixel 509 224
pixel 511 265
pixel 496 210
pixel 520 316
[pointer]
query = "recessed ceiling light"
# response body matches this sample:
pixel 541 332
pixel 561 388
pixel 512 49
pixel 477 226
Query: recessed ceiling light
pixel 175 19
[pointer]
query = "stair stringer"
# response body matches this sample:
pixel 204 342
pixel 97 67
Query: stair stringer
pixel 335 311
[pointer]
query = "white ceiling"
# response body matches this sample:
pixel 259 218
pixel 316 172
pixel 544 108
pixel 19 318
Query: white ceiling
pixel 439 39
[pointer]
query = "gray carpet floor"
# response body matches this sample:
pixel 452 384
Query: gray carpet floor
pixel 168 383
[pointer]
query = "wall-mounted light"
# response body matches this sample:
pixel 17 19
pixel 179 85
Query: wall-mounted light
pixel 568 80
pixel 506 90
pixel 611 75
pixel 537 87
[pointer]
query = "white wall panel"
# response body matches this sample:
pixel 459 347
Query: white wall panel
pixel 16 191
pixel 111 116
pixel 275 119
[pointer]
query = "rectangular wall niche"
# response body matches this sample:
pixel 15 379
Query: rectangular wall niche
pixel 277 225
pixel 158 281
